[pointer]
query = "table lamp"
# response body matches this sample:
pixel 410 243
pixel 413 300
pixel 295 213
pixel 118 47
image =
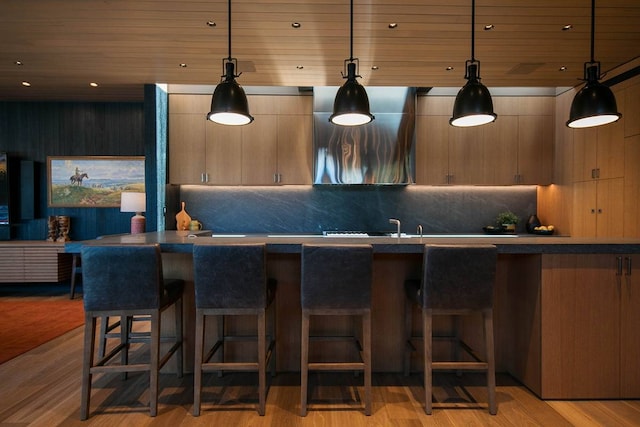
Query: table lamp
pixel 134 202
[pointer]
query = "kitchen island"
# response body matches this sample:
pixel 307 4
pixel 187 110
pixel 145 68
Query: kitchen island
pixel 567 310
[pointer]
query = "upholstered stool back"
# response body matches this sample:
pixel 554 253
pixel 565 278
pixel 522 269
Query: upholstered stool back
pixel 233 276
pixel 458 277
pixel 122 277
pixel 336 276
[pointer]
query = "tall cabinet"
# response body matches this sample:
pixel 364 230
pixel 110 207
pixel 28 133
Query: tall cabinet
pixel 274 149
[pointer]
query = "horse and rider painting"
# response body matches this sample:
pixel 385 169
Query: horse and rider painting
pixel 93 181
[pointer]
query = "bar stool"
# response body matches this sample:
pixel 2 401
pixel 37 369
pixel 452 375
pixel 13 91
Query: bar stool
pixel 336 280
pixel 125 281
pixel 231 280
pixel 456 280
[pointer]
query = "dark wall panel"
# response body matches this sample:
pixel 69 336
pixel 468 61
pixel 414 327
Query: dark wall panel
pixel 32 131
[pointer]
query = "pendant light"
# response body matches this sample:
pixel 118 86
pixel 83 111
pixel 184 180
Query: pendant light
pixel 594 104
pixel 473 105
pixel 229 105
pixel 351 105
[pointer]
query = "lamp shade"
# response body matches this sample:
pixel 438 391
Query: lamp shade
pixel 134 202
pixel 593 105
pixel 229 105
pixel 473 105
pixel 351 105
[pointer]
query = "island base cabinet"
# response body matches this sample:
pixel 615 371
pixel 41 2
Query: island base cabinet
pixel 589 327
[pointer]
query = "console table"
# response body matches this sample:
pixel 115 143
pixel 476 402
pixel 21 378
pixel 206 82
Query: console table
pixel 33 261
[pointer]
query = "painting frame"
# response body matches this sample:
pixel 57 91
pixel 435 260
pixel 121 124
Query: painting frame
pixel 92 181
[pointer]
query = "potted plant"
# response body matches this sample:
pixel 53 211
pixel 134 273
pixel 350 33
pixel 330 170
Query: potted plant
pixel 507 220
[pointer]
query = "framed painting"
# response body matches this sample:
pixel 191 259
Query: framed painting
pixel 92 181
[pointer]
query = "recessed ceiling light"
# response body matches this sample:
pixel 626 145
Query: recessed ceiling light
pixel 183 65
pixel 18 62
pixel 93 84
pixel 299 67
pixel 563 68
pixel 449 68
pixel 211 24
pixel 567 27
pixel 393 25
pixel 375 67
pixel 489 27
pixel 26 83
pixel 296 25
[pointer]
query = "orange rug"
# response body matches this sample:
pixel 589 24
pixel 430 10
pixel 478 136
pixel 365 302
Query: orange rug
pixel 24 325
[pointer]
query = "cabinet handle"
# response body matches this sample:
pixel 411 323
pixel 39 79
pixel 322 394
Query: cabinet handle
pixel 593 211
pixel 628 259
pixel 202 177
pixel 619 265
pixel 599 211
pixel 593 173
pixel 275 177
pixel 597 172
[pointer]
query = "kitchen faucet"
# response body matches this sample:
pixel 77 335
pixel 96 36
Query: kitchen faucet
pixel 397 223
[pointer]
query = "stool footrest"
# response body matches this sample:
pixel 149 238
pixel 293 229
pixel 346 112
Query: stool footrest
pixel 336 366
pixel 460 365
pixel 229 366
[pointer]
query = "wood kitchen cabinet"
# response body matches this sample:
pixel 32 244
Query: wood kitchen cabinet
pixel 515 149
pixel 632 186
pixel 590 327
pixel 598 208
pixel 599 152
pixel 274 149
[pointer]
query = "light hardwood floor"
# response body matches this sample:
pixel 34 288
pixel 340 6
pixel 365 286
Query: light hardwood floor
pixel 42 388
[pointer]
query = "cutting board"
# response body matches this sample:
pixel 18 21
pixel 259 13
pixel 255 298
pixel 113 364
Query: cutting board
pixel 182 219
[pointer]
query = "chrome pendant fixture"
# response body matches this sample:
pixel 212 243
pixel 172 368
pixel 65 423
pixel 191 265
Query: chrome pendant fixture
pixel 229 105
pixel 473 105
pixel 351 105
pixel 595 103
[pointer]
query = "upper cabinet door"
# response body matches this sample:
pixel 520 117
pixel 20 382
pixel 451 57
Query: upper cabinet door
pixel 501 151
pixel 535 149
pixel 259 151
pixel 432 150
pixel 223 154
pixel 186 148
pixel 295 149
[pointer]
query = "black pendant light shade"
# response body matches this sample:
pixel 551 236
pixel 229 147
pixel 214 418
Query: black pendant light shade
pixel 595 103
pixel 229 105
pixel 473 105
pixel 351 105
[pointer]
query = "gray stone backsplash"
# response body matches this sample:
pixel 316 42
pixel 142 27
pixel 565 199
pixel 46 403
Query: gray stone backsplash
pixel 313 209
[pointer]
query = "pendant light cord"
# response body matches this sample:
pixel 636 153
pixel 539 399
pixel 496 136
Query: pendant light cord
pixel 473 25
pixel 593 29
pixel 229 58
pixel 350 32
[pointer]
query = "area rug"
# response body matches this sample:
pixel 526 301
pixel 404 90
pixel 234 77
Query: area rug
pixel 24 325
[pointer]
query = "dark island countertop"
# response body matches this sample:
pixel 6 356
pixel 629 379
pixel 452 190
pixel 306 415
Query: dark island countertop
pixel 182 242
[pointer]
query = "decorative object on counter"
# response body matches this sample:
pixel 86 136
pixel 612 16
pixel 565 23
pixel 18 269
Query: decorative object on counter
pixel 229 105
pixel 183 220
pixel 195 225
pixel 508 221
pixel 595 103
pixel 473 105
pixel 52 226
pixel 134 202
pixel 64 223
pixel 543 230
pixel 351 104
pixel 532 223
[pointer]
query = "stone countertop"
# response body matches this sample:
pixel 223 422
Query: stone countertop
pixel 182 242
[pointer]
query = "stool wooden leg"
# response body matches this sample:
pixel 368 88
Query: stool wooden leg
pixel 491 363
pixel 154 362
pixel 304 360
pixel 262 360
pixel 197 366
pixel 427 332
pixel 89 346
pixel 366 353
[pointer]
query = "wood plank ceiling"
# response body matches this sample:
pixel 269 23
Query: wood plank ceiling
pixel 63 45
